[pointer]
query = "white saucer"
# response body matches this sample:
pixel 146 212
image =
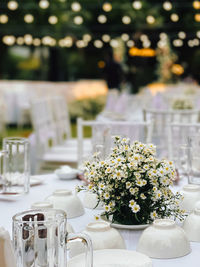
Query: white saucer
pixel 125 226
pixel 113 258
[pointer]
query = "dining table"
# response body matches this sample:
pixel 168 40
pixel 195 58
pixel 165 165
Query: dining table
pixel 48 183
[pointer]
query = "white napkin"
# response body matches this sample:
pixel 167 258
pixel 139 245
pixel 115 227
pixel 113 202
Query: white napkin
pixel 7 258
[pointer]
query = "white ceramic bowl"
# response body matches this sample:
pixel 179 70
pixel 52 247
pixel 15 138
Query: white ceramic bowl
pixel 64 199
pixel 48 205
pixel 191 194
pixel 66 173
pixel 164 240
pixel 113 258
pixel 103 237
pixel 191 226
pixel 42 205
pixel 90 201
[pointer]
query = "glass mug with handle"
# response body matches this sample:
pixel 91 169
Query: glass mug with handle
pixel 40 239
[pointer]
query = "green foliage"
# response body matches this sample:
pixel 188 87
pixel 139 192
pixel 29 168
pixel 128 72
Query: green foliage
pixel 86 108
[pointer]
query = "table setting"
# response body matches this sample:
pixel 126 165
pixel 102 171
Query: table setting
pixel 36 222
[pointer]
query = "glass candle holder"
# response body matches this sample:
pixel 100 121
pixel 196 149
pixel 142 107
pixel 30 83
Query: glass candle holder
pixel 16 166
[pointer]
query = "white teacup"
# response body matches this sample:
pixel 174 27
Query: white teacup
pixel 63 199
pixel 103 236
pixel 191 194
pixel 164 240
pixel 48 205
pixel 191 226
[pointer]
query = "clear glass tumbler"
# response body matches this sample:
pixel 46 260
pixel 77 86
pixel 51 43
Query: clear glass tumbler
pixel 194 159
pixel 16 170
pixel 40 239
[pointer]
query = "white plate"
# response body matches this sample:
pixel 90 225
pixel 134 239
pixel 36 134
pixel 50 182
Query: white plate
pixel 113 258
pixel 125 226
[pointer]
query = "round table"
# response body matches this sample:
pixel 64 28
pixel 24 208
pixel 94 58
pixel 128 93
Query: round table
pixel 10 206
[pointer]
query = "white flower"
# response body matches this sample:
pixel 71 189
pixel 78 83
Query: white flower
pixel 90 186
pixel 128 185
pixel 97 218
pixel 146 167
pixel 107 208
pixel 132 191
pixel 106 195
pixel 158 194
pixel 143 196
pixel 108 170
pixel 135 208
pixel 101 186
pixel 153 215
pixel 132 203
pixel 119 174
pixel 164 181
pixel 137 175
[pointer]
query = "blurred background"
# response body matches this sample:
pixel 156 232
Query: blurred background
pixel 81 49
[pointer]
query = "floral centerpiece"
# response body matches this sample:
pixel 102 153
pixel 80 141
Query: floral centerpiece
pixel 182 103
pixel 133 184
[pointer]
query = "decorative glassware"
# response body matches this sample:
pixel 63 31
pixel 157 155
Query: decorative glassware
pixel 40 239
pixel 194 159
pixel 16 170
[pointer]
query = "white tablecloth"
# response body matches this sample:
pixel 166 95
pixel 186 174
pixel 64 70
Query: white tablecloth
pixel 11 206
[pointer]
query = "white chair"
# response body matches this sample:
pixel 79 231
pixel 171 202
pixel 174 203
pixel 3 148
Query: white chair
pixel 161 120
pixel 50 153
pixel 102 133
pixel 178 134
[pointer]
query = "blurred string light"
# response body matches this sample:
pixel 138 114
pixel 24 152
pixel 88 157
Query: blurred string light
pixel 143 52
pixel 198 34
pixel 3 19
pixel 197 17
pixel 98 43
pixel 174 17
pixel 125 37
pixel 102 19
pixel 106 38
pixel 177 69
pixel 78 20
pixel 12 5
pixel 196 4
pixel 150 19
pixel 53 19
pixel 143 37
pixel 182 35
pixel 28 39
pixel 87 37
pixel 44 4
pixel 146 44
pixel 167 5
pixel 101 64
pixel 76 6
pixel 137 5
pixel 177 42
pixel 20 40
pixel 114 43
pixel 49 41
pixel 66 42
pixel 107 7
pixel 81 44
pixel 126 19
pixel 163 36
pixel 9 39
pixel 36 42
pixel 130 43
pixel 28 18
